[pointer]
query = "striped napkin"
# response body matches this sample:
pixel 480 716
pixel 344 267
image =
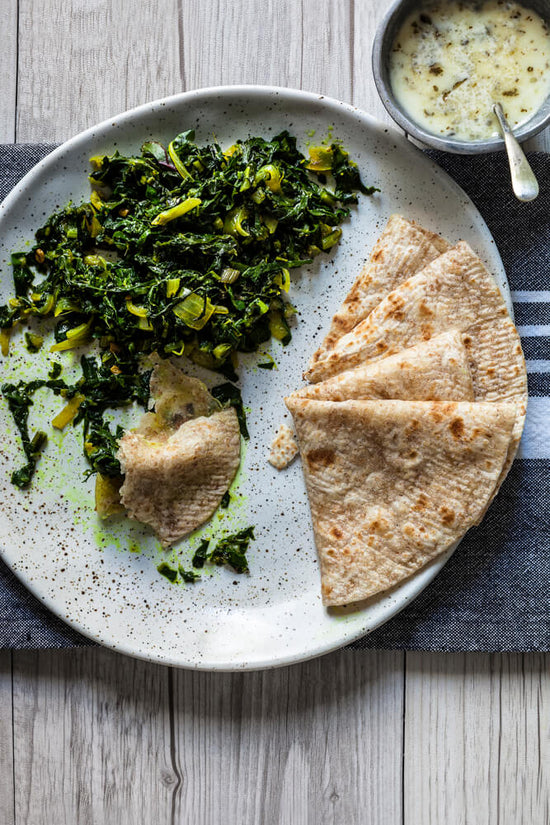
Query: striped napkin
pixel 493 594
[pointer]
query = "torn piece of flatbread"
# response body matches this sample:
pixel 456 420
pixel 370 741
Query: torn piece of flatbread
pixel 180 459
pixel 178 398
pixel 174 484
pixel 284 448
pixel 393 484
pixel 403 249
pixel 435 370
pixel 455 291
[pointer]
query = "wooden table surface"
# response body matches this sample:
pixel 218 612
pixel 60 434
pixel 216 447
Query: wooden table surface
pixel 382 738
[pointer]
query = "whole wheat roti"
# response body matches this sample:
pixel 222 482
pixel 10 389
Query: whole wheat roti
pixel 454 291
pixel 435 370
pixel 393 484
pixel 494 370
pixel 175 484
pixel 403 249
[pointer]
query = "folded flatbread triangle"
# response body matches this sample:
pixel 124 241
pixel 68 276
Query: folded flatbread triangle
pixel 403 249
pixel 434 370
pixel 393 484
pixel 455 292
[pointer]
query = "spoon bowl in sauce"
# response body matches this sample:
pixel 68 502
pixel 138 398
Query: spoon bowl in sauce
pixel 440 65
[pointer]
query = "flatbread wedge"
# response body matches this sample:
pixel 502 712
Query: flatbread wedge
pixel 403 249
pixel 453 292
pixel 174 484
pixel 434 370
pixel 393 484
pixel 498 371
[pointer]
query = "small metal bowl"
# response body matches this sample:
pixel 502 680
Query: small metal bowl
pixel 383 42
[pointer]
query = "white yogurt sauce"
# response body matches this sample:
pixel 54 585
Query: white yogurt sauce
pixel 452 60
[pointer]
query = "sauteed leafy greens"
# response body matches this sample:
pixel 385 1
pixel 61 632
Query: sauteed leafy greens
pixel 184 250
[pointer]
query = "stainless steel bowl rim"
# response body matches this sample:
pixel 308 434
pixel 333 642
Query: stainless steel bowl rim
pixel 398 11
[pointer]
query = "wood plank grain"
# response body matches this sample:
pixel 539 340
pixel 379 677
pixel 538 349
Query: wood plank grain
pixel 315 743
pixel 92 740
pixel 7 790
pixel 367 17
pixel 269 42
pixel 8 70
pixel 477 746
pixel 81 62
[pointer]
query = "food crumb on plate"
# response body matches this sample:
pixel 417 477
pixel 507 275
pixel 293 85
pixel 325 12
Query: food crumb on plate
pixel 284 447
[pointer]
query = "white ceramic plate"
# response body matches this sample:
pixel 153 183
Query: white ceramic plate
pixel 101 578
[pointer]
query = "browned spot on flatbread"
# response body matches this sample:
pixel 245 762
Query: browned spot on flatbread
pixel 442 410
pixel 398 314
pixel 447 515
pixel 425 310
pixel 421 502
pixel 320 458
pixel 397 302
pixel 336 532
pixel 457 427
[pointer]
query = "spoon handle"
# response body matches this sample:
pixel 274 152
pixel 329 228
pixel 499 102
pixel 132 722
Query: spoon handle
pixel 524 182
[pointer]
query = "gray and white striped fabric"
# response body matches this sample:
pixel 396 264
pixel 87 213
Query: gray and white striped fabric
pixel 532 311
pixel 493 594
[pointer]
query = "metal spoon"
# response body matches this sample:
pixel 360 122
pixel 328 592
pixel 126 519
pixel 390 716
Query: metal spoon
pixel 524 182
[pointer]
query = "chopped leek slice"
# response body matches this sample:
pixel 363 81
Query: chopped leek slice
pixel 176 211
pixel 68 412
pixel 76 337
pixel 177 162
pixel 232 224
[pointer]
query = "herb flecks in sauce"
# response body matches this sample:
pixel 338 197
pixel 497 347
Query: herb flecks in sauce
pixel 477 54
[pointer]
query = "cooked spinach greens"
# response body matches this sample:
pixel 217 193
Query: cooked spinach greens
pixel 106 383
pixel 184 250
pixel 230 551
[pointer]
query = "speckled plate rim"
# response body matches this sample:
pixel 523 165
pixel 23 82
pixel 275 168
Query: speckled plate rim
pixel 400 596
